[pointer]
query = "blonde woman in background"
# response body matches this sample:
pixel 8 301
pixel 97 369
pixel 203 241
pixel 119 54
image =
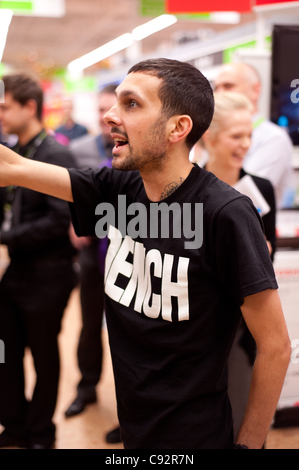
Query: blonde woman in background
pixel 227 142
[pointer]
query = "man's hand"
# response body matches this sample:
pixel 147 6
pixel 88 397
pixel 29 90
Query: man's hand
pixel 42 177
pixel 264 317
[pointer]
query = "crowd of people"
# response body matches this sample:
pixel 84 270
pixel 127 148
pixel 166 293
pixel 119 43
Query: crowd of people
pixel 165 135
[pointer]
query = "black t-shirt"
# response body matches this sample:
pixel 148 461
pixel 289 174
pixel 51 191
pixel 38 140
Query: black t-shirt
pixel 172 310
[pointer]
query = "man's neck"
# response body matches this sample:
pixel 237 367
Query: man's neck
pixel 32 130
pixel 162 183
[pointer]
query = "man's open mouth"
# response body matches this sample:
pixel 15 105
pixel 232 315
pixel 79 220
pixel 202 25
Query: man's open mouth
pixel 120 142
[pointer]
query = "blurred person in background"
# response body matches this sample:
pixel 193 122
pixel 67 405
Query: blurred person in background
pixel 92 152
pixel 227 142
pixel 36 287
pixel 270 154
pixel 70 129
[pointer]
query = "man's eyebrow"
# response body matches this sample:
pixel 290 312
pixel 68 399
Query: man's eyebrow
pixel 125 93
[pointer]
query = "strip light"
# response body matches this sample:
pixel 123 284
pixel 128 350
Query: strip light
pixel 118 44
pixel 153 26
pixel 5 19
pixel 121 43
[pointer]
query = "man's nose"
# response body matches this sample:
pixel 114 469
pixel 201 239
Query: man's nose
pixel 111 118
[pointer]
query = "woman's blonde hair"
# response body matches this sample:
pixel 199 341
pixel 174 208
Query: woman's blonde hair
pixel 226 103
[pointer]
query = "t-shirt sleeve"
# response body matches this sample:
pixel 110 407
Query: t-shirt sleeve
pixel 89 188
pixel 242 256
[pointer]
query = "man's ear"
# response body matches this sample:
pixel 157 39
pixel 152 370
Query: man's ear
pixel 31 107
pixel 180 127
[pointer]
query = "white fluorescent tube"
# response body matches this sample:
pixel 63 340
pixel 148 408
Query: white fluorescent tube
pixel 101 53
pixel 124 41
pixel 5 19
pixel 153 26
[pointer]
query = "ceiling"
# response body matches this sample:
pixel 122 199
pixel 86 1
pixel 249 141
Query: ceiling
pixel 43 45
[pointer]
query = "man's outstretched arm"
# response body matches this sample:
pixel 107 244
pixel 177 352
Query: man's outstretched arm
pixel 42 177
pixel 264 317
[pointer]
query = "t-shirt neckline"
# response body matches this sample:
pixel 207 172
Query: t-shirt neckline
pixel 179 193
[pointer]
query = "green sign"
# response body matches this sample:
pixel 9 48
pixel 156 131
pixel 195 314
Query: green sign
pixel 85 85
pixel 152 7
pixel 18 6
pixel 228 54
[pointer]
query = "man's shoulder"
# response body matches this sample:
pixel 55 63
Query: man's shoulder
pixel 51 151
pixel 215 192
pixel 216 196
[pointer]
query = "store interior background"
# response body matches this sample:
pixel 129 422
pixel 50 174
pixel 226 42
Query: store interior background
pixel 45 36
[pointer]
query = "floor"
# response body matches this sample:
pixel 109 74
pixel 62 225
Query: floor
pixel 87 431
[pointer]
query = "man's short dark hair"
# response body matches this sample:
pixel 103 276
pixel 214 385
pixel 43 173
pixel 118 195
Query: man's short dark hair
pixel 23 88
pixel 184 90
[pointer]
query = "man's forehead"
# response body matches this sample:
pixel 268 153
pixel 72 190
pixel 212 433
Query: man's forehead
pixel 8 98
pixel 227 76
pixel 138 83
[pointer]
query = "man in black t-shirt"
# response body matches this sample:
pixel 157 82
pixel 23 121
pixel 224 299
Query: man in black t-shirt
pixel 187 256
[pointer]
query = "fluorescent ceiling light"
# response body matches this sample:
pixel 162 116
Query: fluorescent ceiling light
pixel 49 8
pixel 153 26
pixel 225 17
pixel 44 8
pixel 5 19
pixel 118 44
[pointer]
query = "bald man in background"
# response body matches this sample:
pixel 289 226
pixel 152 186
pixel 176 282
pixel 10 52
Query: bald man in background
pixel 270 154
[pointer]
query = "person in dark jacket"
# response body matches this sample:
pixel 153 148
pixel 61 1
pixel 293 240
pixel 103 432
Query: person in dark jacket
pixel 227 142
pixel 36 287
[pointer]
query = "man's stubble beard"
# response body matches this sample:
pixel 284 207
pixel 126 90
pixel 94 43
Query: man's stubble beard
pixel 152 158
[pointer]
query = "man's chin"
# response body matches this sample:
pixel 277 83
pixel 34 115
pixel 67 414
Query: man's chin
pixel 119 164
pixel 123 164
